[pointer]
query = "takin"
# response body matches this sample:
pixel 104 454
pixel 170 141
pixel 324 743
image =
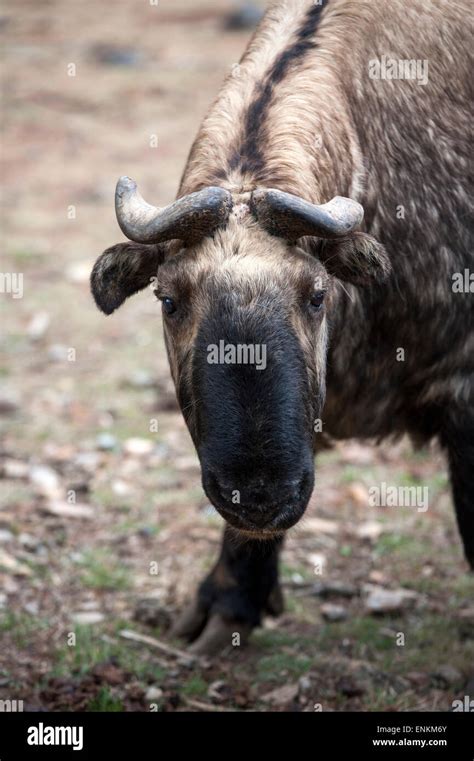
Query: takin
pixel 317 251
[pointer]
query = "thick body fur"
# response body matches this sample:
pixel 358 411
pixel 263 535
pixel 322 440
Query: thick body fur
pixel 402 150
pixel 370 337
pixel 302 115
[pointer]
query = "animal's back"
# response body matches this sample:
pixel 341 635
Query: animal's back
pixel 314 108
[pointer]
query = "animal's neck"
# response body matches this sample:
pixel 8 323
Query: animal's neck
pixel 281 119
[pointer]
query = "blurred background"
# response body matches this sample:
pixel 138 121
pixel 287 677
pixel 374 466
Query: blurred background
pixel 103 524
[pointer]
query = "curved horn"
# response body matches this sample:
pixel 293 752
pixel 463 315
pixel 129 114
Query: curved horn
pixel 288 216
pixel 189 218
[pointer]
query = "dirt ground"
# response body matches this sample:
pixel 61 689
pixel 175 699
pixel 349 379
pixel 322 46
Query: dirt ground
pixel 101 506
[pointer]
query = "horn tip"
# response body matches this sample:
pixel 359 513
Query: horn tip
pixel 125 184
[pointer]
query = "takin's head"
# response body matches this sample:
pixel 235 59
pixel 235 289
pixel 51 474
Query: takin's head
pixel 246 313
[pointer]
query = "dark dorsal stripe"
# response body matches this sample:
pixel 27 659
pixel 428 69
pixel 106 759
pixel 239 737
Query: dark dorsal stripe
pixel 250 155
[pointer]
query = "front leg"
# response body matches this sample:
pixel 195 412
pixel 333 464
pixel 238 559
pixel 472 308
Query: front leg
pixel 459 441
pixel 232 598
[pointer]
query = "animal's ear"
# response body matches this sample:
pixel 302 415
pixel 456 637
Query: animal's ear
pixel 357 258
pixel 121 271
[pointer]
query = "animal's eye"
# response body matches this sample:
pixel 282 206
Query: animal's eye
pixel 317 299
pixel 168 305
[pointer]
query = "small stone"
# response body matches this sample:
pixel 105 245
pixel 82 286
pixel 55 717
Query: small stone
pixel 88 461
pixel 380 600
pixel 333 612
pixel 281 696
pixel 318 561
pixel 304 685
pixel 79 272
pixel 106 442
pixel 28 541
pixel 320 526
pixel 58 353
pixel 141 379
pixel 45 480
pixel 15 469
pixel 369 530
pixel 153 693
pixel 446 676
pixel 31 607
pixel 121 488
pixel 90 605
pixel 38 325
pixel 6 536
pixel 87 617
pixel 12 565
pixel 297 578
pixel 9 404
pixel 138 447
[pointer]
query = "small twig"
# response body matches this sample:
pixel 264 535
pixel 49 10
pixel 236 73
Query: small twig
pixel 156 643
pixel 207 706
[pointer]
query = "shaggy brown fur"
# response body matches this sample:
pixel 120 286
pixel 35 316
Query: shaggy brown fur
pixel 301 114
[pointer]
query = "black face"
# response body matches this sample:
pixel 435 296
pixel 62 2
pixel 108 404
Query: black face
pixel 251 413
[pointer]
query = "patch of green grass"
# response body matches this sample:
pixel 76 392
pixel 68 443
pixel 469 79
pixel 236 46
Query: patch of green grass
pixel 303 609
pixel 462 589
pixel 283 666
pixel 23 256
pixel 439 481
pixel 425 585
pixel 432 640
pixel 91 649
pixel 350 474
pixel 401 544
pixel 345 551
pixel 365 631
pixel 384 699
pixel 101 572
pixel 21 627
pixel 12 494
pixel 105 497
pixel 105 701
pixel 195 686
pixel 273 638
pixel 408 479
